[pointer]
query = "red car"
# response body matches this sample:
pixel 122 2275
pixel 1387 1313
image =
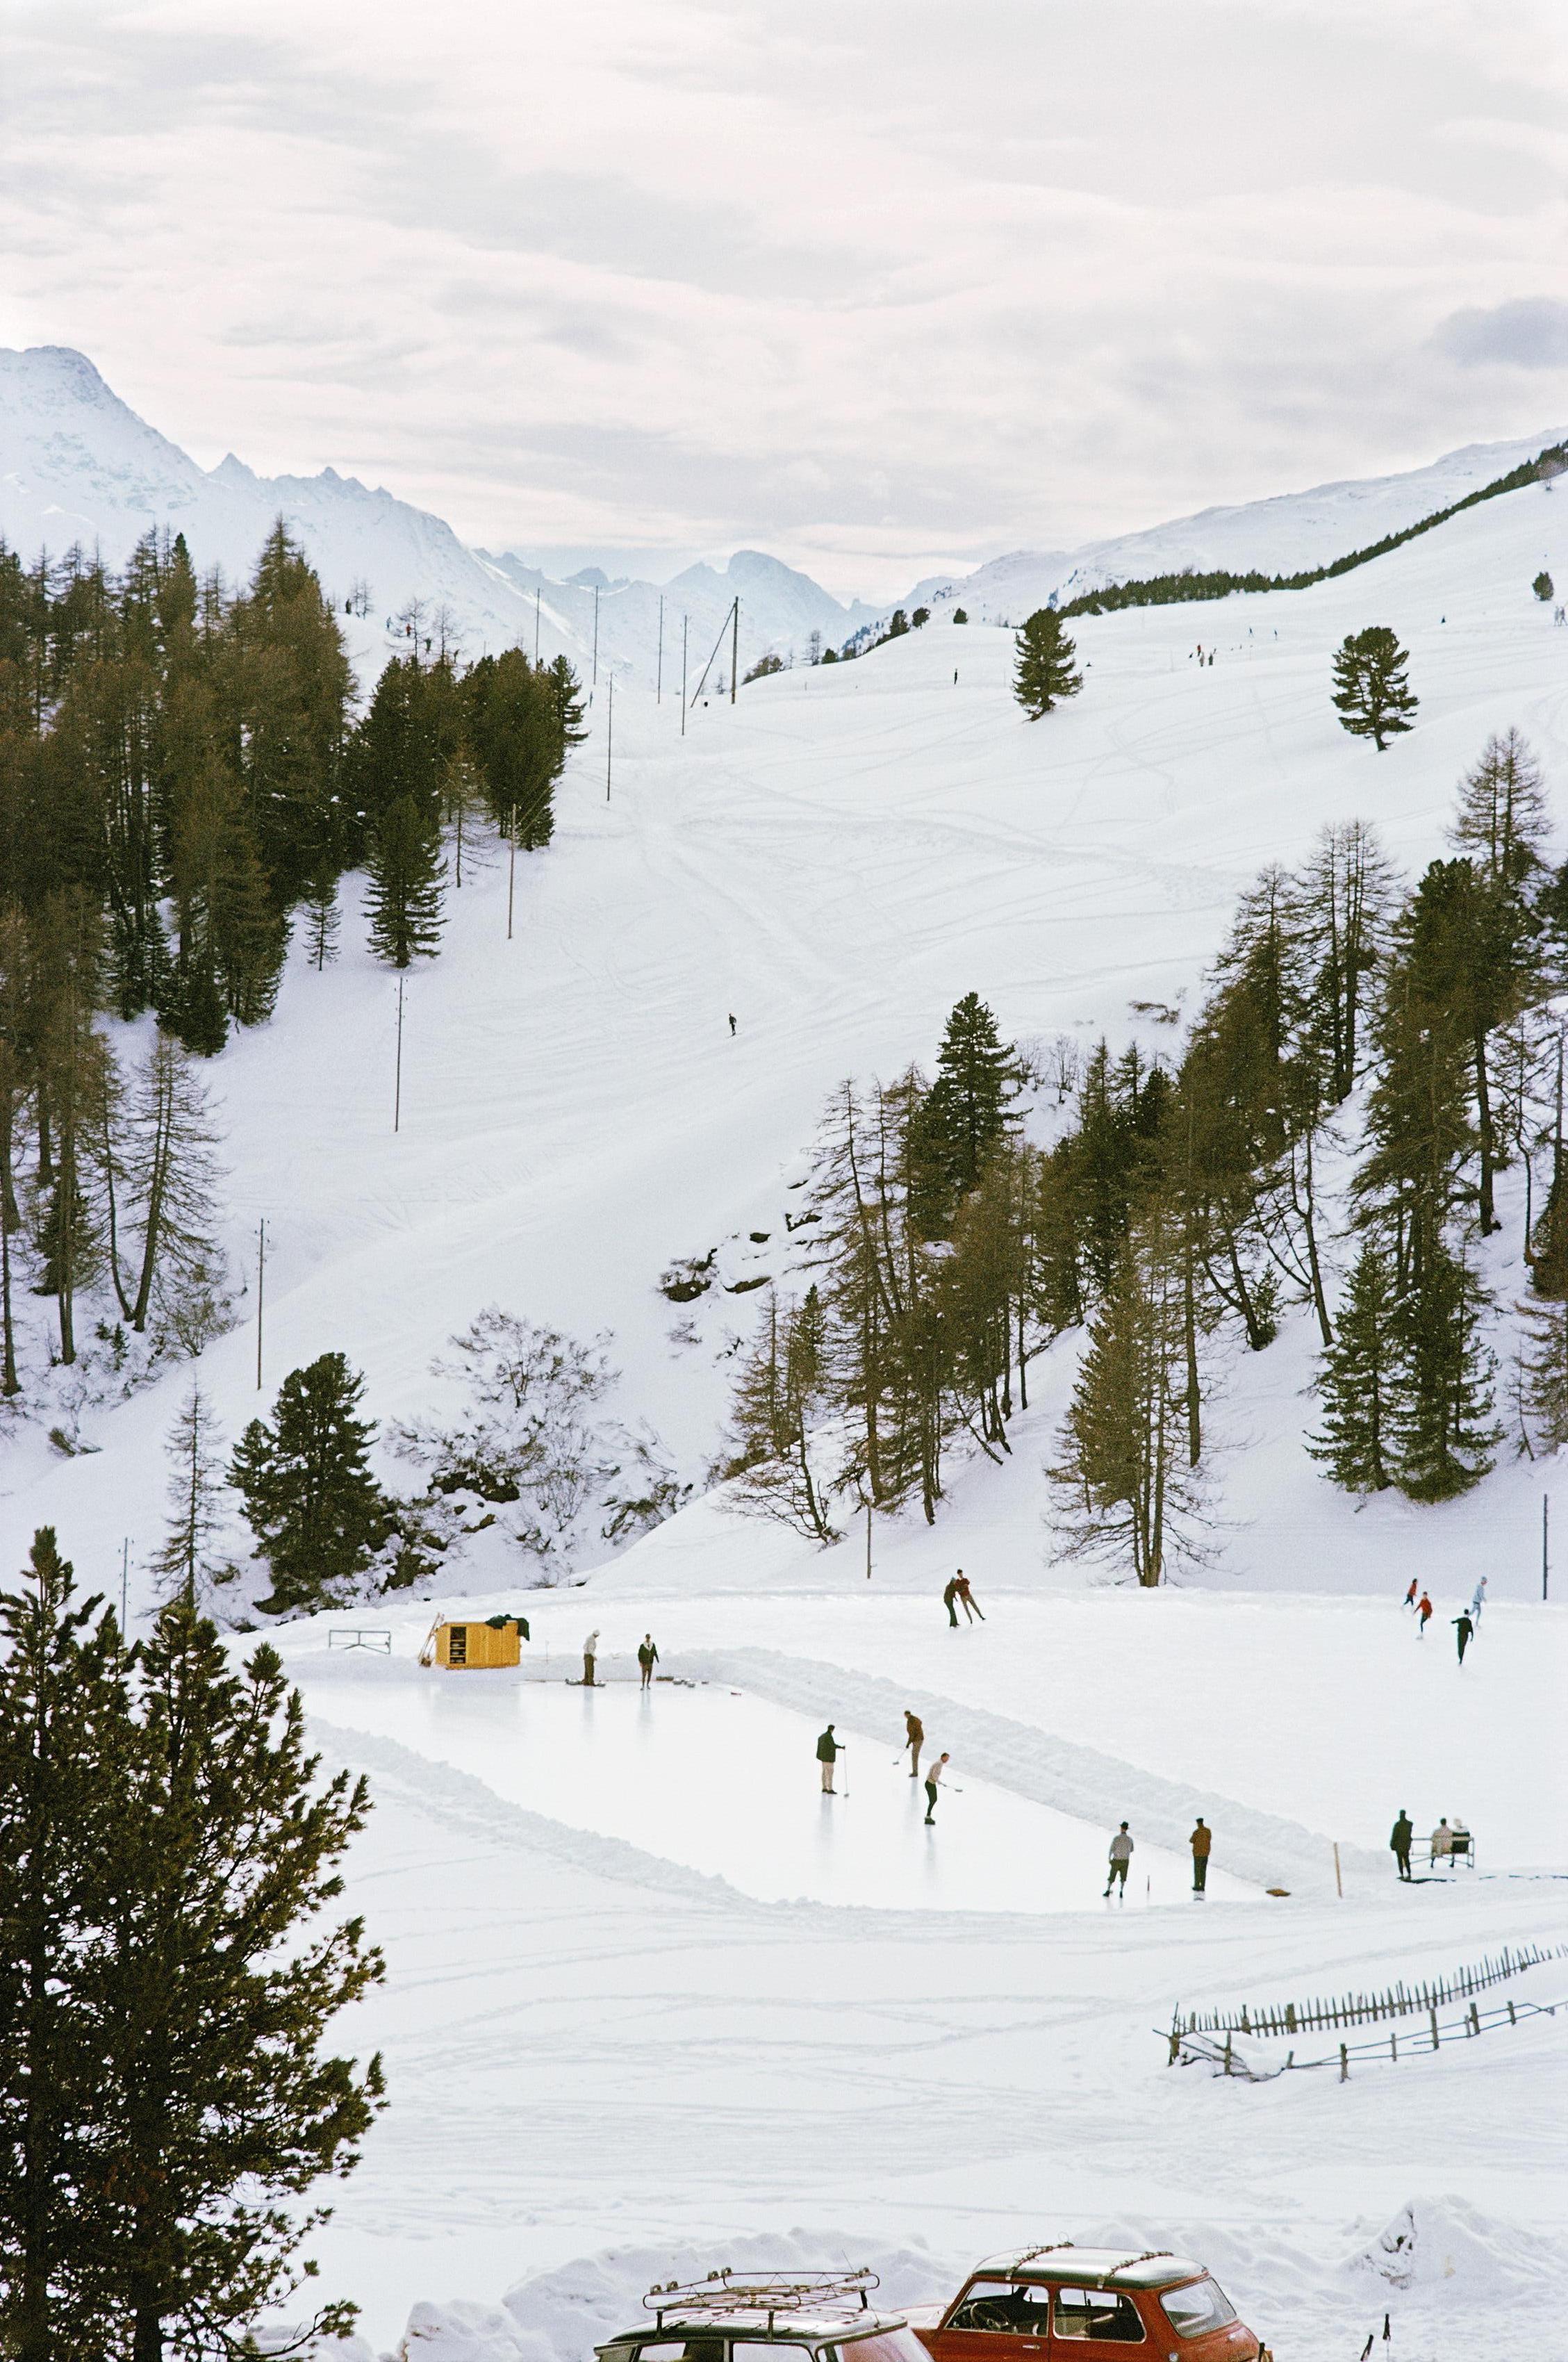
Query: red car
pixel 1062 2304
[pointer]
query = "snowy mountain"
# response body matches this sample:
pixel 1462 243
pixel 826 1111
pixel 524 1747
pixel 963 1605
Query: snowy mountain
pixel 1282 535
pixel 77 465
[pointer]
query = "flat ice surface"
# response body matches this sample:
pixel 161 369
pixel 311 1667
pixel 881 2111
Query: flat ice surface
pixel 730 1785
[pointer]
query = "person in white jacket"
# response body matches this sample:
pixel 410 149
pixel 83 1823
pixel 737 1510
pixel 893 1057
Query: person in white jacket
pixel 1121 1854
pixel 590 1652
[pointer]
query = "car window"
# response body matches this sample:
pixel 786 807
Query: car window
pixel 1201 2305
pixel 886 2345
pixel 1099 2313
pixel 1009 2307
pixel 682 2349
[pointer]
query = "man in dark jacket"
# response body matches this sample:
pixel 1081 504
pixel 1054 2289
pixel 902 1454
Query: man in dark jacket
pixel 828 1755
pixel 1465 1630
pixel 1399 1842
pixel 647 1657
pixel 1201 1842
pixel 950 1602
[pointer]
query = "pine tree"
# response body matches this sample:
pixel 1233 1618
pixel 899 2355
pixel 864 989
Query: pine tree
pixel 1504 820
pixel 1357 1379
pixel 462 799
pixel 1544 585
pixel 1543 1359
pixel 187 1564
pixel 1043 673
pixel 211 1998
pixel 964 1114
pixel 784 1388
pixel 404 898
pixel 1442 1432
pixel 1125 1488
pixel 1372 692
pixel 62 1726
pixel 322 917
pixel 313 1505
pixel 171 1176
pixel 1344 899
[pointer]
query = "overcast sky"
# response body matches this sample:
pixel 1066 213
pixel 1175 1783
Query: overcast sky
pixel 880 286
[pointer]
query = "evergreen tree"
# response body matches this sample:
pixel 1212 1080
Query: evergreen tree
pixel 568 693
pixel 964 1114
pixel 62 1726
pixel 186 1564
pixel 1357 1379
pixel 1344 901
pixel 1043 673
pixel 312 1503
pixel 1544 585
pixel 1503 821
pixel 404 898
pixel 322 917
pixel 212 2000
pixel 1443 1435
pixel 1544 1370
pixel 1123 1485
pixel 171 1177
pixel 783 1388
pixel 1372 694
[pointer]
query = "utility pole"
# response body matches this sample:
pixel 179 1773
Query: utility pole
pixel 659 672
pixel 397 1070
pixel 511 869
pixel 682 675
pixel 596 678
pixel 124 1580
pixel 537 589
pixel 868 1540
pixel 609 738
pixel 260 1293
pixel 1545 1551
pixel 735 651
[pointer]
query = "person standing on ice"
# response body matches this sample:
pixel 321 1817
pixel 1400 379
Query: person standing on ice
pixel 647 1657
pixel 933 1782
pixel 1410 1596
pixel 1399 1842
pixel 828 1755
pixel 971 1606
pixel 1423 1614
pixel 950 1602
pixel 1465 1631
pixel 1201 1842
pixel 1478 1601
pixel 732 1028
pixel 915 1739
pixel 1121 1854
pixel 590 1652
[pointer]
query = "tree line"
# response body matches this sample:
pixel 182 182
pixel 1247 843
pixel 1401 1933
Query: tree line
pixel 1412 1037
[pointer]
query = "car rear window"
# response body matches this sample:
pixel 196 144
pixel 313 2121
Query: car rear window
pixel 886 2346
pixel 1201 2305
pixel 1006 2306
pixel 1097 2313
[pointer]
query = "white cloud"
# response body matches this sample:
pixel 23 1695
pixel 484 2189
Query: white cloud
pixel 900 279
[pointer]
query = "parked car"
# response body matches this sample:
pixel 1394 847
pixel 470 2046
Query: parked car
pixel 738 2317
pixel 1086 2304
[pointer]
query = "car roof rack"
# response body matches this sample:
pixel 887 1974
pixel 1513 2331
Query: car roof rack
pixel 730 2292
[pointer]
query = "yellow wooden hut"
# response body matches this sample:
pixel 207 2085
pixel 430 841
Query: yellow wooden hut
pixel 475 1646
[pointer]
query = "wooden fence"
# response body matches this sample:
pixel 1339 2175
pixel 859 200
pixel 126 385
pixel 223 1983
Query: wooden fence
pixel 1224 2058
pixel 1362 2009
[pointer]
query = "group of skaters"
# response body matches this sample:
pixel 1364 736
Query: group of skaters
pixel 647 1657
pixel 1120 1855
pixel 1450 1842
pixel 957 1595
pixel 1466 1624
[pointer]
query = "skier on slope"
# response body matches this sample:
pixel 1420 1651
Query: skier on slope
pixel 1465 1631
pixel 590 1654
pixel 1201 1842
pixel 933 1782
pixel 1423 1614
pixel 1399 1842
pixel 913 1740
pixel 647 1657
pixel 827 1756
pixel 1120 1855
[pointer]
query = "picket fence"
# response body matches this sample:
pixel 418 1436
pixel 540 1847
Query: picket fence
pixel 1362 2009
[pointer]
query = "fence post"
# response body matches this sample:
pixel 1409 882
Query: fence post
pixel 1227 2051
pixel 1344 2064
pixel 1339 1882
pixel 1432 2014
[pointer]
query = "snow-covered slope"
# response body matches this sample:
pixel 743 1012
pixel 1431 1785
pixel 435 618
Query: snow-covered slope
pixel 617 2045
pixel 78 466
pixel 1282 535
